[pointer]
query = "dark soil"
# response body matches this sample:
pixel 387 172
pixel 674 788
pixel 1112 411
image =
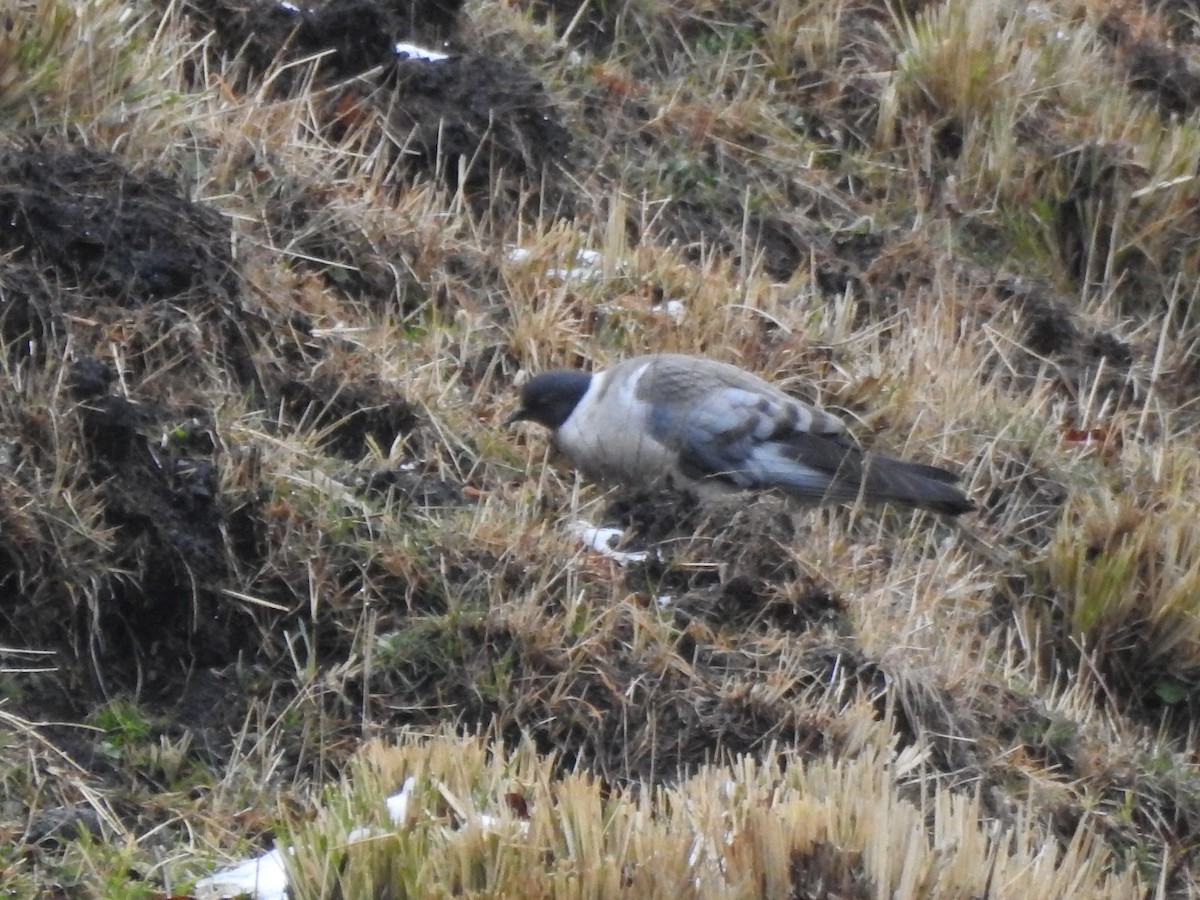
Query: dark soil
pixel 79 217
pixel 151 611
pixel 758 583
pixel 305 218
pixel 1165 72
pixel 99 257
pixel 355 36
pixel 472 121
pixel 476 116
pixel 348 414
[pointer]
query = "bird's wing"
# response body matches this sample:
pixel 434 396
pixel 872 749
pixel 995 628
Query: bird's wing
pixel 729 425
pixel 721 424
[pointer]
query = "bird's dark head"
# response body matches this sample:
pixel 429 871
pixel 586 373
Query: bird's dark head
pixel 550 398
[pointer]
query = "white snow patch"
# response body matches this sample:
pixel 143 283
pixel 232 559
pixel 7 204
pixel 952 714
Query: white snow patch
pixel 264 878
pixel 587 264
pixel 675 310
pixel 604 541
pixel 412 50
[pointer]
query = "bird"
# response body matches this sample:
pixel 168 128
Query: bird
pixel 711 428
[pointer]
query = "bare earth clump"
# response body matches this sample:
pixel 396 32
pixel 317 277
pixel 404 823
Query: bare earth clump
pixel 267 287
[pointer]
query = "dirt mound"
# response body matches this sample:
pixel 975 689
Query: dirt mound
pixel 482 116
pixel 127 519
pixel 139 601
pixel 472 120
pixel 101 260
pixel 351 36
pixel 80 230
pixel 1164 71
pixel 350 415
pixel 758 582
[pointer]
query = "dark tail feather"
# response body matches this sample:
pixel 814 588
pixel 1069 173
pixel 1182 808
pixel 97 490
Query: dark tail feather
pixel 914 484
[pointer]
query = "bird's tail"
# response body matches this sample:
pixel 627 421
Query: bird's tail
pixel 832 469
pixel 912 484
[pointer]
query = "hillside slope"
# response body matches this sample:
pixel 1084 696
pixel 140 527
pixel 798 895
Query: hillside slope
pixel 268 283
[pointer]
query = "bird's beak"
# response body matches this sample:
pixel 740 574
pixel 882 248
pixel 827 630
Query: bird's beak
pixel 520 415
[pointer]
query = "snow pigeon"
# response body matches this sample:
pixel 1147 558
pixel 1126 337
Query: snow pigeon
pixel 709 427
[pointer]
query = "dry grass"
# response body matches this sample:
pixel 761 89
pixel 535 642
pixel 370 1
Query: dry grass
pixel 283 538
pixel 483 819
